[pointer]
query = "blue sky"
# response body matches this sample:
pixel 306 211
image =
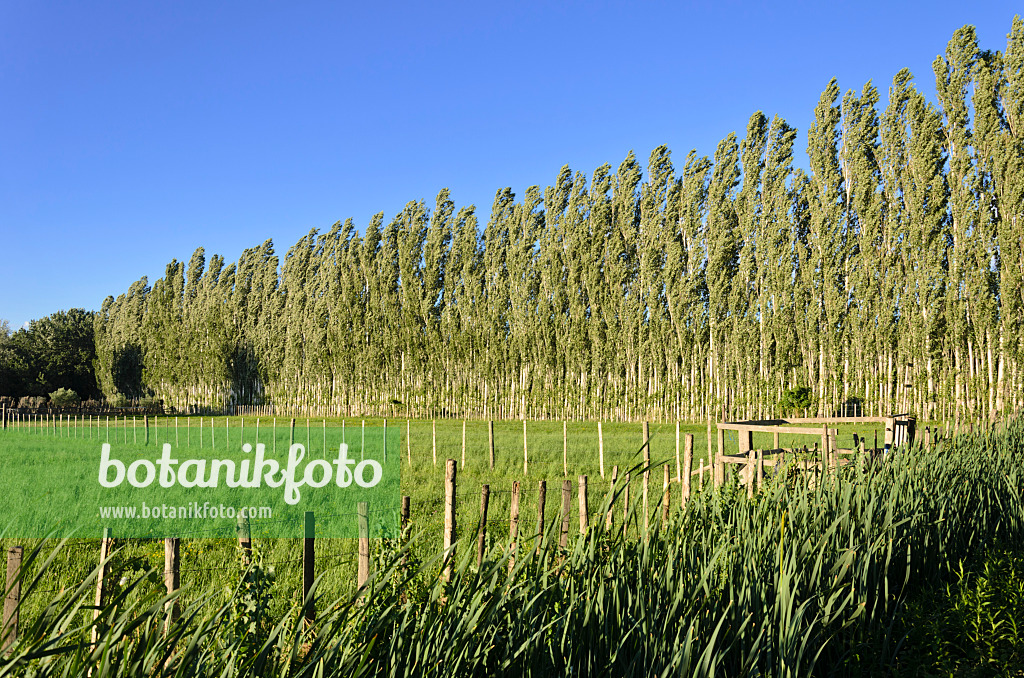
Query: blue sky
pixel 133 132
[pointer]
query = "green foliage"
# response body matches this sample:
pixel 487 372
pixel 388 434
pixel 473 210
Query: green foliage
pixel 248 622
pixel 119 400
pixel 63 397
pixel 51 353
pixel 796 400
pixel 969 626
pixel 804 579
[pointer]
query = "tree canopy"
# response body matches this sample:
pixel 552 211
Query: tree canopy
pixel 888 271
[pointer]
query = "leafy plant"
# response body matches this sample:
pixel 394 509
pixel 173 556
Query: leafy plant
pixel 63 397
pixel 796 400
pixel 247 622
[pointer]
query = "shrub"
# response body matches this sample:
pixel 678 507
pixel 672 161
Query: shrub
pixel 796 399
pixel 32 402
pixel 64 397
pixel 119 400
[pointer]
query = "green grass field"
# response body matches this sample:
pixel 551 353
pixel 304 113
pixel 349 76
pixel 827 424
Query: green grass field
pixel 212 564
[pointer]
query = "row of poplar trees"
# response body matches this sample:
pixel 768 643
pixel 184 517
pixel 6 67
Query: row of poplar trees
pixel 890 271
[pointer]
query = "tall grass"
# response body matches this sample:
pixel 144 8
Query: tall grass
pixel 805 579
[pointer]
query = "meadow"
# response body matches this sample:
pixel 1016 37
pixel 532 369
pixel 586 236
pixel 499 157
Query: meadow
pixel 798 581
pixel 212 562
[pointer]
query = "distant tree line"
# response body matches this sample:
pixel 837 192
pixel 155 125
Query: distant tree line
pixel 51 354
pixel 891 271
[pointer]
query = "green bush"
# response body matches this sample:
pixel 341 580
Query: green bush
pixel 119 400
pixel 64 397
pixel 796 400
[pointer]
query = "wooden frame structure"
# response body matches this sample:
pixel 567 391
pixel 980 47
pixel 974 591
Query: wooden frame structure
pixel 899 430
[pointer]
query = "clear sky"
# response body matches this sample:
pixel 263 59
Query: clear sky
pixel 133 132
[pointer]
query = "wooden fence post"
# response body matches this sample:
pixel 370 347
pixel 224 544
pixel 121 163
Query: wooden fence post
pixel 563 540
pixel 710 455
pixel 609 521
pixel 760 469
pixel 244 538
pixel 600 447
pixel 145 422
pixel 449 519
pixel 719 461
pixel 408 441
pixel 485 494
pixel 363 518
pixel 12 600
pixel 584 512
pixel 490 441
pixel 513 523
pixel 308 571
pixel 105 545
pixel 833 451
pixel 172 578
pixel 687 467
pixel 665 501
pixel 463 443
pixel 433 438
